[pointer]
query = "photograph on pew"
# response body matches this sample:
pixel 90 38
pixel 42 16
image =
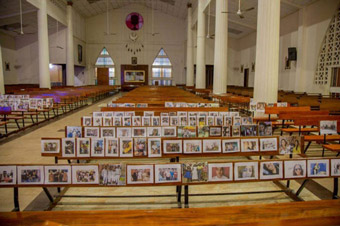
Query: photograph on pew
pixel 112 174
pixel 290 145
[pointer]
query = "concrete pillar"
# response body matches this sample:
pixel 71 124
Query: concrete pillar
pixel 300 74
pixel 267 51
pixel 221 48
pixel 190 63
pixel 2 80
pixel 200 58
pixel 69 47
pixel 44 59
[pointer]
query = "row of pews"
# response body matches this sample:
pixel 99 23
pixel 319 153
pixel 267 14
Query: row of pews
pixel 65 100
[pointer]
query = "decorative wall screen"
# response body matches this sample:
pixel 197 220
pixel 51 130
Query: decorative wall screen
pixel 329 55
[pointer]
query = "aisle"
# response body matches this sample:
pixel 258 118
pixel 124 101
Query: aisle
pixel 26 150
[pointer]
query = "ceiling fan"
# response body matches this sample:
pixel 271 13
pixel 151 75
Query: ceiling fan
pixel 240 12
pixel 21 32
pixel 57 38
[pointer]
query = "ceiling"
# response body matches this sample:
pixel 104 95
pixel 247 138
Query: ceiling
pixel 238 28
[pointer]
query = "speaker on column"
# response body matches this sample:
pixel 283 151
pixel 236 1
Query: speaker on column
pixel 292 54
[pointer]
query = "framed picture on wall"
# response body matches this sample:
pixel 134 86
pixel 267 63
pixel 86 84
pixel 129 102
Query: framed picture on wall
pixel 134 76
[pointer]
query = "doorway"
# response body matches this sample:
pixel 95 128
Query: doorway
pixel 246 77
pixel 102 76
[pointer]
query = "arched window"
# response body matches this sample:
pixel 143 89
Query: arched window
pixel 162 70
pixel 104 60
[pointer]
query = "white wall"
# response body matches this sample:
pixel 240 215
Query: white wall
pixel 171 37
pixel 9 56
pixel 319 15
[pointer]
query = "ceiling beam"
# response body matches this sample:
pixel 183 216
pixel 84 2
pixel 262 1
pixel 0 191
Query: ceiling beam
pixel 291 4
pixel 17 14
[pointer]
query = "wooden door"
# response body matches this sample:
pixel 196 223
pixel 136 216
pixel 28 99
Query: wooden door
pixel 209 76
pixel 102 76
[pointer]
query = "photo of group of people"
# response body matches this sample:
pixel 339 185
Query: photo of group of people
pixel 85 174
pixel 290 145
pixel 30 174
pixel 57 174
pixel 195 172
pixel 140 174
pixel 7 175
pixel 168 173
pixel 112 174
pixel 73 131
pixel 328 127
pixel 50 145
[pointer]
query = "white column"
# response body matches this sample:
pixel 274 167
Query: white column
pixel 221 48
pixel 200 58
pixel 190 63
pixel 44 59
pixel 267 51
pixel 300 74
pixel 69 47
pixel 2 80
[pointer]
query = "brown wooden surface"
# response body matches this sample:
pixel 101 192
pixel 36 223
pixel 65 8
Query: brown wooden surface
pixel 326 212
pixel 103 76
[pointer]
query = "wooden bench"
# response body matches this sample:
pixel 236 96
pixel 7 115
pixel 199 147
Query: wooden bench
pixel 332 147
pixel 322 212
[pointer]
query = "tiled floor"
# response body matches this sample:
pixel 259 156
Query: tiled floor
pixel 26 149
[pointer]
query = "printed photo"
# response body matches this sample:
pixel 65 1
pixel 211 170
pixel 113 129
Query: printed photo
pixel 246 170
pixel 295 169
pixel 97 147
pixel 30 174
pixel 168 173
pixel 123 132
pixel 220 171
pixel 212 146
pixel 129 113
pixel 335 167
pixel 265 129
pixel 97 114
pixel 83 147
pixel 290 145
pixel 140 174
pixel 260 106
pixel 186 131
pixel 201 121
pixel 50 145
pixel 271 170
pixel 125 148
pixel 228 121
pixel 87 121
pixel 174 121
pixel 154 147
pixel 318 168
pixel 164 114
pixel 169 131
pixel 73 131
pixel 249 145
pixel 136 121
pixel 282 104
pixel 111 147
pixel 107 131
pixel 192 121
pixel 140 147
pixel 235 132
pixel 58 174
pixel 91 131
pixel 148 113
pixel 97 121
pixel 268 144
pixel 165 121
pixel 108 114
pixel 215 131
pixel 117 121
pixel 172 146
pixel 155 121
pixel 8 175
pixel 192 146
pixel 182 113
pixel 127 121
pixel 248 130
pixel 218 120
pixel 210 121
pixel 230 146
pixel 85 174
pixel 195 172
pixel 183 120
pixel 246 121
pixel 139 132
pixel 146 121
pixel 203 131
pixel 112 174
pixel 107 121
pixel 226 131
pixel 154 131
pixel 328 127
pixel 236 121
pixel 68 147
